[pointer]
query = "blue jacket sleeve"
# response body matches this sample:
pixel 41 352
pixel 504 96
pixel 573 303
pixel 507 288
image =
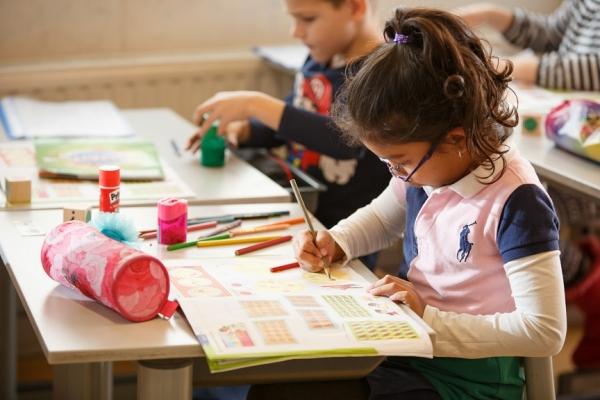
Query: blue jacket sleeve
pixel 262 136
pixel 315 131
pixel 528 224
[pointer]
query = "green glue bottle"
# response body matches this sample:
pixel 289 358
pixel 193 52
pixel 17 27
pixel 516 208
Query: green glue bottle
pixel 212 148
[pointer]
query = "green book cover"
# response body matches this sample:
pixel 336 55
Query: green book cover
pixel 80 158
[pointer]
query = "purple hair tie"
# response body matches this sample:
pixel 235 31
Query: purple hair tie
pixel 401 39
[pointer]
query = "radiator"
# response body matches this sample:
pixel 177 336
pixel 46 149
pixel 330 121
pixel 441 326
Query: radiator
pixel 179 82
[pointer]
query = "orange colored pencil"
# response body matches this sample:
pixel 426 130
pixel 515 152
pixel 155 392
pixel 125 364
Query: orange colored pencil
pixel 291 221
pixel 258 229
pixel 262 245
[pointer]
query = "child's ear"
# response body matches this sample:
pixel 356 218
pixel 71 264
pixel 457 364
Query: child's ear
pixel 359 8
pixel 456 137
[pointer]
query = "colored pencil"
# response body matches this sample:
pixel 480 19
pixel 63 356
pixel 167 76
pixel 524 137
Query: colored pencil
pixel 191 228
pixel 227 242
pixel 284 267
pixel 220 229
pixel 213 232
pixel 258 229
pixel 231 217
pixel 262 245
pixel 291 221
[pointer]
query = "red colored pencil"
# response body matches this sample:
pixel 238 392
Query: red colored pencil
pixel 285 266
pixel 262 245
pixel 190 228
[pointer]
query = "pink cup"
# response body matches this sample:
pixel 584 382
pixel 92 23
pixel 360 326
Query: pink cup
pixel 133 283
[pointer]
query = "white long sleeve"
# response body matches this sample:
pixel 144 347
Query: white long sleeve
pixel 537 327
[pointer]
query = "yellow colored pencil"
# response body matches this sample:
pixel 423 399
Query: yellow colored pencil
pixel 227 242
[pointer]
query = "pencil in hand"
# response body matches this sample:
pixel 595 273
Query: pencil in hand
pixel 309 223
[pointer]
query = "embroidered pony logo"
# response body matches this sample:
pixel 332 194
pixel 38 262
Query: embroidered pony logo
pixel 464 245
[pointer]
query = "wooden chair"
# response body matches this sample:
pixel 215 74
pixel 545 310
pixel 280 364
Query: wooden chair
pixel 539 379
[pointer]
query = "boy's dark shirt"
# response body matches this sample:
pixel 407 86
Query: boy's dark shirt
pixel 353 175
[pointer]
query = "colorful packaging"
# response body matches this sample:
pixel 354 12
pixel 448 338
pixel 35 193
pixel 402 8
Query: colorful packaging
pixel 133 283
pixel 574 125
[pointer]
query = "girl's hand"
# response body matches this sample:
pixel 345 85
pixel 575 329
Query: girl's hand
pixel 232 110
pixel 399 290
pixel 310 256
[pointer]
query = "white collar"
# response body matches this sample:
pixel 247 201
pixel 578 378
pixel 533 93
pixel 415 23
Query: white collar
pixel 472 183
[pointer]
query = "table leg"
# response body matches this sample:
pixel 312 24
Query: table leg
pixel 8 336
pixel 93 381
pixel 165 379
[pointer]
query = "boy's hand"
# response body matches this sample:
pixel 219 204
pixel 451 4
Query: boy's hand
pixel 225 107
pixel 238 132
pixel 310 256
pixel 399 290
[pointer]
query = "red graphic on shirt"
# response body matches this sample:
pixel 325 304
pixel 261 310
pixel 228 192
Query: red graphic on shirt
pixel 318 90
pixel 316 95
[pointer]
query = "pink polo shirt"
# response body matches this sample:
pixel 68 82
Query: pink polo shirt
pixel 458 237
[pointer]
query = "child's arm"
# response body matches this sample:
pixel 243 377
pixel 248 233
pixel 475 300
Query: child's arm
pixel 315 131
pixel 541 33
pixel 527 240
pixel 564 72
pixel 536 328
pixel 369 229
pixel 233 110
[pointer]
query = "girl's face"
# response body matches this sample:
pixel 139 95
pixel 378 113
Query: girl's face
pixel 447 163
pixel 325 29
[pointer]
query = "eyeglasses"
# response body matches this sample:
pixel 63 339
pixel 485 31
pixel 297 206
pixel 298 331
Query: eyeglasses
pixel 398 171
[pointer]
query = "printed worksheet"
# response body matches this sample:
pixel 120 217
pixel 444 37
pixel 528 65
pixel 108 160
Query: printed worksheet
pixel 243 314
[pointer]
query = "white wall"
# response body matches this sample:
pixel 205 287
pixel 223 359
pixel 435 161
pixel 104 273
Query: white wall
pixel 36 30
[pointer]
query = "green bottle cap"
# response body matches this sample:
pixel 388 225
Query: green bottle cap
pixel 530 124
pixel 212 148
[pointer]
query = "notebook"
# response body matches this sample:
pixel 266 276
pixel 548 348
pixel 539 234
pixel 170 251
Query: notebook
pixel 24 117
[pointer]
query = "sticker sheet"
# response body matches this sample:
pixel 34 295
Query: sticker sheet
pixel 239 310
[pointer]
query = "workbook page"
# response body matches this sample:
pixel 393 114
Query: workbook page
pixel 239 309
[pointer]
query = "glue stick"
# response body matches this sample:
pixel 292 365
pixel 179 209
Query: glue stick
pixel 110 179
pixel 172 220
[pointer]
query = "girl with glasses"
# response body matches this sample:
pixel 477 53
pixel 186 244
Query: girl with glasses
pixel 480 232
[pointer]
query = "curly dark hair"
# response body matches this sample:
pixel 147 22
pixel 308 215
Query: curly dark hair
pixel 441 78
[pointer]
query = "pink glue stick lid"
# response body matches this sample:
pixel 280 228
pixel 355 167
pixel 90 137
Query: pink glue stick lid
pixel 170 208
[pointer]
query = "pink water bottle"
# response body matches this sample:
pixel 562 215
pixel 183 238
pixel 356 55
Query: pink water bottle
pixel 172 220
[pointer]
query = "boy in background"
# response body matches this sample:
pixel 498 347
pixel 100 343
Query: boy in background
pixel 335 32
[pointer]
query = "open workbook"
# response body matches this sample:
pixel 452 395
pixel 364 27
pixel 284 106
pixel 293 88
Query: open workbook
pixel 244 315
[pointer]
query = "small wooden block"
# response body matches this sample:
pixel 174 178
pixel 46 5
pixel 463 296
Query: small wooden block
pixel 533 124
pixel 18 190
pixel 79 213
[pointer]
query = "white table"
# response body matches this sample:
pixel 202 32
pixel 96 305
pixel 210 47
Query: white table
pixel 85 337
pixel 558 166
pixel 235 183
